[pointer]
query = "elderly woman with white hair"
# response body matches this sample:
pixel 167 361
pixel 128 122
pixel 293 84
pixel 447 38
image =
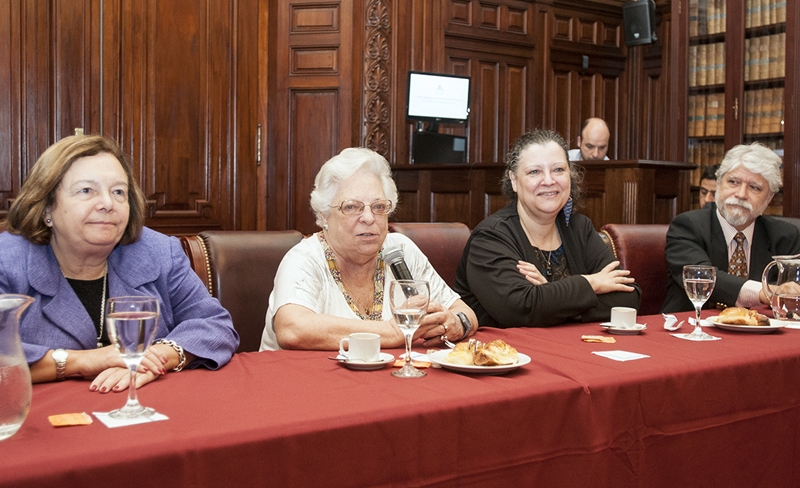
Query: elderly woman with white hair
pixel 333 283
pixel 732 234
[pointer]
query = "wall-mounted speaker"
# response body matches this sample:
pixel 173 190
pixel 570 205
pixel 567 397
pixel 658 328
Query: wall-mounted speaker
pixel 639 17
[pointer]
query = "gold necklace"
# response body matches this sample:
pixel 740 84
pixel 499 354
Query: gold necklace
pixel 547 260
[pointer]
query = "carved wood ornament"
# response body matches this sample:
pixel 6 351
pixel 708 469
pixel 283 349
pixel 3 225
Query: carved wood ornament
pixel 377 63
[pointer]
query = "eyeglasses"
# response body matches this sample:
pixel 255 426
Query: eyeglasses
pixel 352 207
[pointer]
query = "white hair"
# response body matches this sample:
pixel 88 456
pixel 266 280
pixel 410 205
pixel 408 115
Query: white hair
pixel 756 158
pixel 343 166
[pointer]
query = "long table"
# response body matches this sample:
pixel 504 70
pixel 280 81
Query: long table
pixel 721 413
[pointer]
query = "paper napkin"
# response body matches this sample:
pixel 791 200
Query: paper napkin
pixel 112 422
pixel 620 355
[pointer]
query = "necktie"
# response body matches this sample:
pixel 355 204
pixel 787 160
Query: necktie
pixel 738 263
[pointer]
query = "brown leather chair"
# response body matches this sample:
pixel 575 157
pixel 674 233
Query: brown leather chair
pixel 640 249
pixel 239 267
pixel 441 242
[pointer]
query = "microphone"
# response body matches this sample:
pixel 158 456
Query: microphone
pixel 400 271
pixel 395 259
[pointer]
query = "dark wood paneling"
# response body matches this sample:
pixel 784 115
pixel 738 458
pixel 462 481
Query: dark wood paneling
pixel 583 69
pixel 171 81
pixel 448 193
pixel 313 112
pixel 622 192
pixel 312 105
pixel 178 100
pixel 493 43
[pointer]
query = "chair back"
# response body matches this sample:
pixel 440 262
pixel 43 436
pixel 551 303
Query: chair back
pixel 640 249
pixel 239 269
pixel 441 242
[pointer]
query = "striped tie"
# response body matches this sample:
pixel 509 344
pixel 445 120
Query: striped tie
pixel 738 263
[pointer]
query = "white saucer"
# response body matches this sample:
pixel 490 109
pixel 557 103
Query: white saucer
pixel 366 365
pixel 623 330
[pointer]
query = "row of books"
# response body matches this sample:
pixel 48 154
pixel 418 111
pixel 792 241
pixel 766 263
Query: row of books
pixel 706 17
pixel 704 154
pixel 765 57
pixel 763 111
pixel 708 153
pixel 707 64
pixel 706 115
pixel 764 12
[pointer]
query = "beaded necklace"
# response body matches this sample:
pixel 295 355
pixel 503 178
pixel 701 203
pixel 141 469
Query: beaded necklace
pixel 377 299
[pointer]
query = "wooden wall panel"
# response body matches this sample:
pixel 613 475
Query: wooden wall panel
pixel 313 105
pixel 583 65
pixel 493 43
pixel 160 78
pixel 48 81
pixel 312 112
pixel 9 85
pixel 178 104
pixel 654 118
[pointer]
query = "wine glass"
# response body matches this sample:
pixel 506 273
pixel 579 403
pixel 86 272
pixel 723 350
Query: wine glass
pixel 132 323
pixel 409 301
pixel 698 281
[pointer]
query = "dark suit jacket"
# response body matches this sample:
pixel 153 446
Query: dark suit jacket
pixel 696 237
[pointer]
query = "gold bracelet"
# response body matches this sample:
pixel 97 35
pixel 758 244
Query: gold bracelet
pixel 179 350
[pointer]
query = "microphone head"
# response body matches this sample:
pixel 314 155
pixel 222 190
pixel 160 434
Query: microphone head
pixel 393 256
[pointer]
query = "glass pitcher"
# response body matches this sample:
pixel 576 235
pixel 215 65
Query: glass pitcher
pixel 15 377
pixel 784 293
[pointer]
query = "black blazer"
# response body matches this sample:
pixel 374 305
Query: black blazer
pixel 696 237
pixel 489 282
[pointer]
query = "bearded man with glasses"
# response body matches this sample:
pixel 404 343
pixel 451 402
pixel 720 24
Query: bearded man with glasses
pixel 731 233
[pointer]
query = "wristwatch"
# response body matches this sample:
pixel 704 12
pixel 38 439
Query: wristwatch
pixel 60 357
pixel 465 323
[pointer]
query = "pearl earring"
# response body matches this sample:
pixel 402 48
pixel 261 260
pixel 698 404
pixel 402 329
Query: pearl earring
pixel 325 227
pixel 47 221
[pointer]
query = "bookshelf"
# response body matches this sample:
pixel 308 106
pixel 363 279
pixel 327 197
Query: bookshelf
pixel 736 79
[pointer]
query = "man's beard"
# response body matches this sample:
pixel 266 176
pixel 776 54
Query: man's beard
pixel 735 214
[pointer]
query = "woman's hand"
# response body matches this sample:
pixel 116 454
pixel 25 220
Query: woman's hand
pixel 437 323
pixel 118 379
pixel 531 273
pixel 108 372
pixel 610 279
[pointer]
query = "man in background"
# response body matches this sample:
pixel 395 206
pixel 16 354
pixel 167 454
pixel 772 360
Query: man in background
pixel 592 141
pixel 730 233
pixel 708 185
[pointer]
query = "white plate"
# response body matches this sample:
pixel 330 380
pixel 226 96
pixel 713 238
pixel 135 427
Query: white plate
pixel 789 324
pixel 366 365
pixel 440 358
pixel 757 329
pixel 623 330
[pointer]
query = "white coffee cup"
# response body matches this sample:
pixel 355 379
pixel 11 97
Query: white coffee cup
pixel 361 346
pixel 623 317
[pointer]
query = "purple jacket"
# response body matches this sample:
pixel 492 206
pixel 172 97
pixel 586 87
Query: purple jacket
pixel 154 265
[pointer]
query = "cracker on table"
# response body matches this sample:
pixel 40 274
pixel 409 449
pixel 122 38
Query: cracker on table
pixel 598 338
pixel 66 419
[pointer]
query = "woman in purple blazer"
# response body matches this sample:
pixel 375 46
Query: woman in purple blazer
pixel 75 237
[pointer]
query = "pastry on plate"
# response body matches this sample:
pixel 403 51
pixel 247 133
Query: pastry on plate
pixel 742 316
pixel 495 353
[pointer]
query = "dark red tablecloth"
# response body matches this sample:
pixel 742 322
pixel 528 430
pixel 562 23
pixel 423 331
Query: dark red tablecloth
pixel 721 413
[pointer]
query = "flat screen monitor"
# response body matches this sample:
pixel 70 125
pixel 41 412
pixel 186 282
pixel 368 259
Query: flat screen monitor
pixel 437 98
pixel 430 147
